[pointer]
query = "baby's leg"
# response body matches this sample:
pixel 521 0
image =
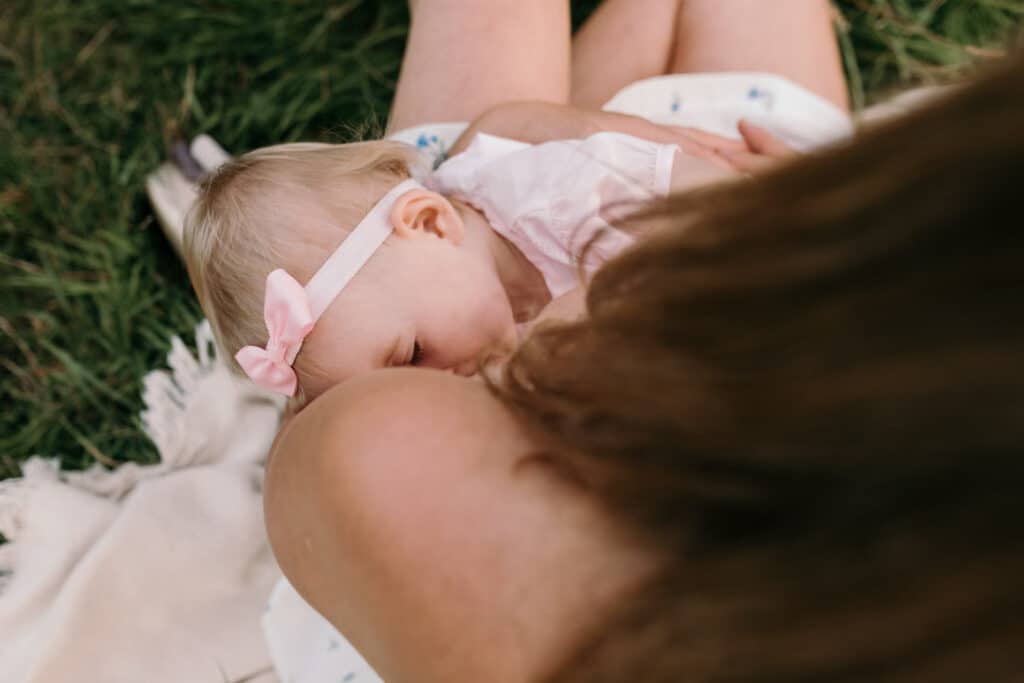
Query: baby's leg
pixel 627 40
pixel 792 38
pixel 621 42
pixel 464 57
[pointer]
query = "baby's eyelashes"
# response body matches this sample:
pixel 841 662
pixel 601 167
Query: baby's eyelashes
pixel 417 354
pixel 410 355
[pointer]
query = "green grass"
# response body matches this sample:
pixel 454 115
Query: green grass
pixel 90 90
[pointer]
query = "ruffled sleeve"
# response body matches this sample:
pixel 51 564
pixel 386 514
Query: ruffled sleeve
pixel 556 199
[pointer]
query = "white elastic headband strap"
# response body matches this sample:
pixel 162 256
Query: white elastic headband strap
pixel 364 240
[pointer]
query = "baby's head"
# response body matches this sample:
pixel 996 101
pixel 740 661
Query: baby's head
pixel 429 295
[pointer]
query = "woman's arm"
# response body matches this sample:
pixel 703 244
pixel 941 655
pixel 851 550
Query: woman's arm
pixel 537 122
pixel 409 507
pixel 703 158
pixel 367 491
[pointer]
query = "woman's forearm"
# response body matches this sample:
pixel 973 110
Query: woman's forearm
pixel 537 122
pixel 530 122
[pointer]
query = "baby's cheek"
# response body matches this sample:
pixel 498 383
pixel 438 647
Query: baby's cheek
pixel 501 325
pixel 334 353
pixel 470 333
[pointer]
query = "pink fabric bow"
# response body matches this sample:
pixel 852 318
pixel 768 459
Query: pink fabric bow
pixel 288 317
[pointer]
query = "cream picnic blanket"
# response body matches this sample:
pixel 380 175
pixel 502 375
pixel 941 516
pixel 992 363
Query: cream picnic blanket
pixel 147 574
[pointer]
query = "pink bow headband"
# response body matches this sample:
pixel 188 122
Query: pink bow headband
pixel 291 310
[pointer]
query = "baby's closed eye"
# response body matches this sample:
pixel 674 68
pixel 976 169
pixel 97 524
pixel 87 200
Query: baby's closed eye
pixel 404 354
pixel 416 357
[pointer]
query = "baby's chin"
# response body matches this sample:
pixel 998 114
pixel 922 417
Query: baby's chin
pixel 307 393
pixel 314 384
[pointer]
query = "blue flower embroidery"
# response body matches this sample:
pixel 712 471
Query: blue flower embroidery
pixel 433 144
pixel 676 104
pixel 765 96
pixel 348 677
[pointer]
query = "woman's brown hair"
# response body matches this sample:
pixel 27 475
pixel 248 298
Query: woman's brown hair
pixel 810 389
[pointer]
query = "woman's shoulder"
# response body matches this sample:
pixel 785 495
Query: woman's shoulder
pixel 397 418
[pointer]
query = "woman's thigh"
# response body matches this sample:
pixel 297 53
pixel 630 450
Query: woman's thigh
pixel 464 57
pixel 627 40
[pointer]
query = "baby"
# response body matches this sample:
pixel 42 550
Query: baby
pixel 397 271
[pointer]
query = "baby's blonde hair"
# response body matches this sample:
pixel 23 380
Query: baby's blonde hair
pixel 248 220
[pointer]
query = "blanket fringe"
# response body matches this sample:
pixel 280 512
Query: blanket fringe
pixel 188 407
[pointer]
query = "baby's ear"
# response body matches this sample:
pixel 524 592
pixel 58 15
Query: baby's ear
pixel 419 213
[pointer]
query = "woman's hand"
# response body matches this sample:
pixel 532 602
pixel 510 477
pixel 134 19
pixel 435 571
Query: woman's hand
pixel 764 150
pixel 757 152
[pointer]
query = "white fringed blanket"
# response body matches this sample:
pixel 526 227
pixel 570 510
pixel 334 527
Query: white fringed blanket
pixel 147 573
